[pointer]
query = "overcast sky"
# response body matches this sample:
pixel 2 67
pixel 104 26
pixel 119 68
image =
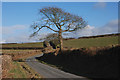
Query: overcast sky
pixel 102 18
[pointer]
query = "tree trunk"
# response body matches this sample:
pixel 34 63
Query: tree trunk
pixel 61 41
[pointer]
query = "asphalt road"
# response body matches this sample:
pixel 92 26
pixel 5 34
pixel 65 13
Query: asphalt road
pixel 50 72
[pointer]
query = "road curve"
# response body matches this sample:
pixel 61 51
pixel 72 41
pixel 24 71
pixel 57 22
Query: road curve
pixel 50 72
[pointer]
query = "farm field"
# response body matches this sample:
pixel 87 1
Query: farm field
pixel 75 43
pixel 21 45
pixel 92 42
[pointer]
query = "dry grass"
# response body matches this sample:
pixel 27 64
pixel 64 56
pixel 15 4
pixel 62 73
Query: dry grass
pixel 20 54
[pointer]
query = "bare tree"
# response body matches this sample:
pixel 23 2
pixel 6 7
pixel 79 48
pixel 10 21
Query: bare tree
pixel 58 21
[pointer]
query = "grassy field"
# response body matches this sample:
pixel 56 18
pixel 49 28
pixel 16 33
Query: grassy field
pixel 37 44
pixel 92 42
pixel 75 43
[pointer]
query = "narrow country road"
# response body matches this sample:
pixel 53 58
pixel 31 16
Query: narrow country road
pixel 50 72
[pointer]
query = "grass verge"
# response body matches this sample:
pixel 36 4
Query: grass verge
pixel 22 70
pixel 17 71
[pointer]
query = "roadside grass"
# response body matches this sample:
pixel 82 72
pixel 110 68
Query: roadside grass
pixel 22 70
pixel 17 71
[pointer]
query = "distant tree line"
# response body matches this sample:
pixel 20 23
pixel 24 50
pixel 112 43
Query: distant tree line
pixel 105 35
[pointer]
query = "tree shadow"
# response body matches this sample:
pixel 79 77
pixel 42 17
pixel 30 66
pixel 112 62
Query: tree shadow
pixel 103 64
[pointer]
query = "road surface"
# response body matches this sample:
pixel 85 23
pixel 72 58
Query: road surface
pixel 50 72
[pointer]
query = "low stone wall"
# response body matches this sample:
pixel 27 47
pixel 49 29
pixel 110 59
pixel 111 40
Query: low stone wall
pixel 6 65
pixel 0 67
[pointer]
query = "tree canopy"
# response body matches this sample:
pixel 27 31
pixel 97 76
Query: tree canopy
pixel 58 21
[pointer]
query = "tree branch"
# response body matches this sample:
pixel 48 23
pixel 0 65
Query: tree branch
pixel 51 20
pixel 50 28
pixel 67 29
pixel 41 28
pixel 35 32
